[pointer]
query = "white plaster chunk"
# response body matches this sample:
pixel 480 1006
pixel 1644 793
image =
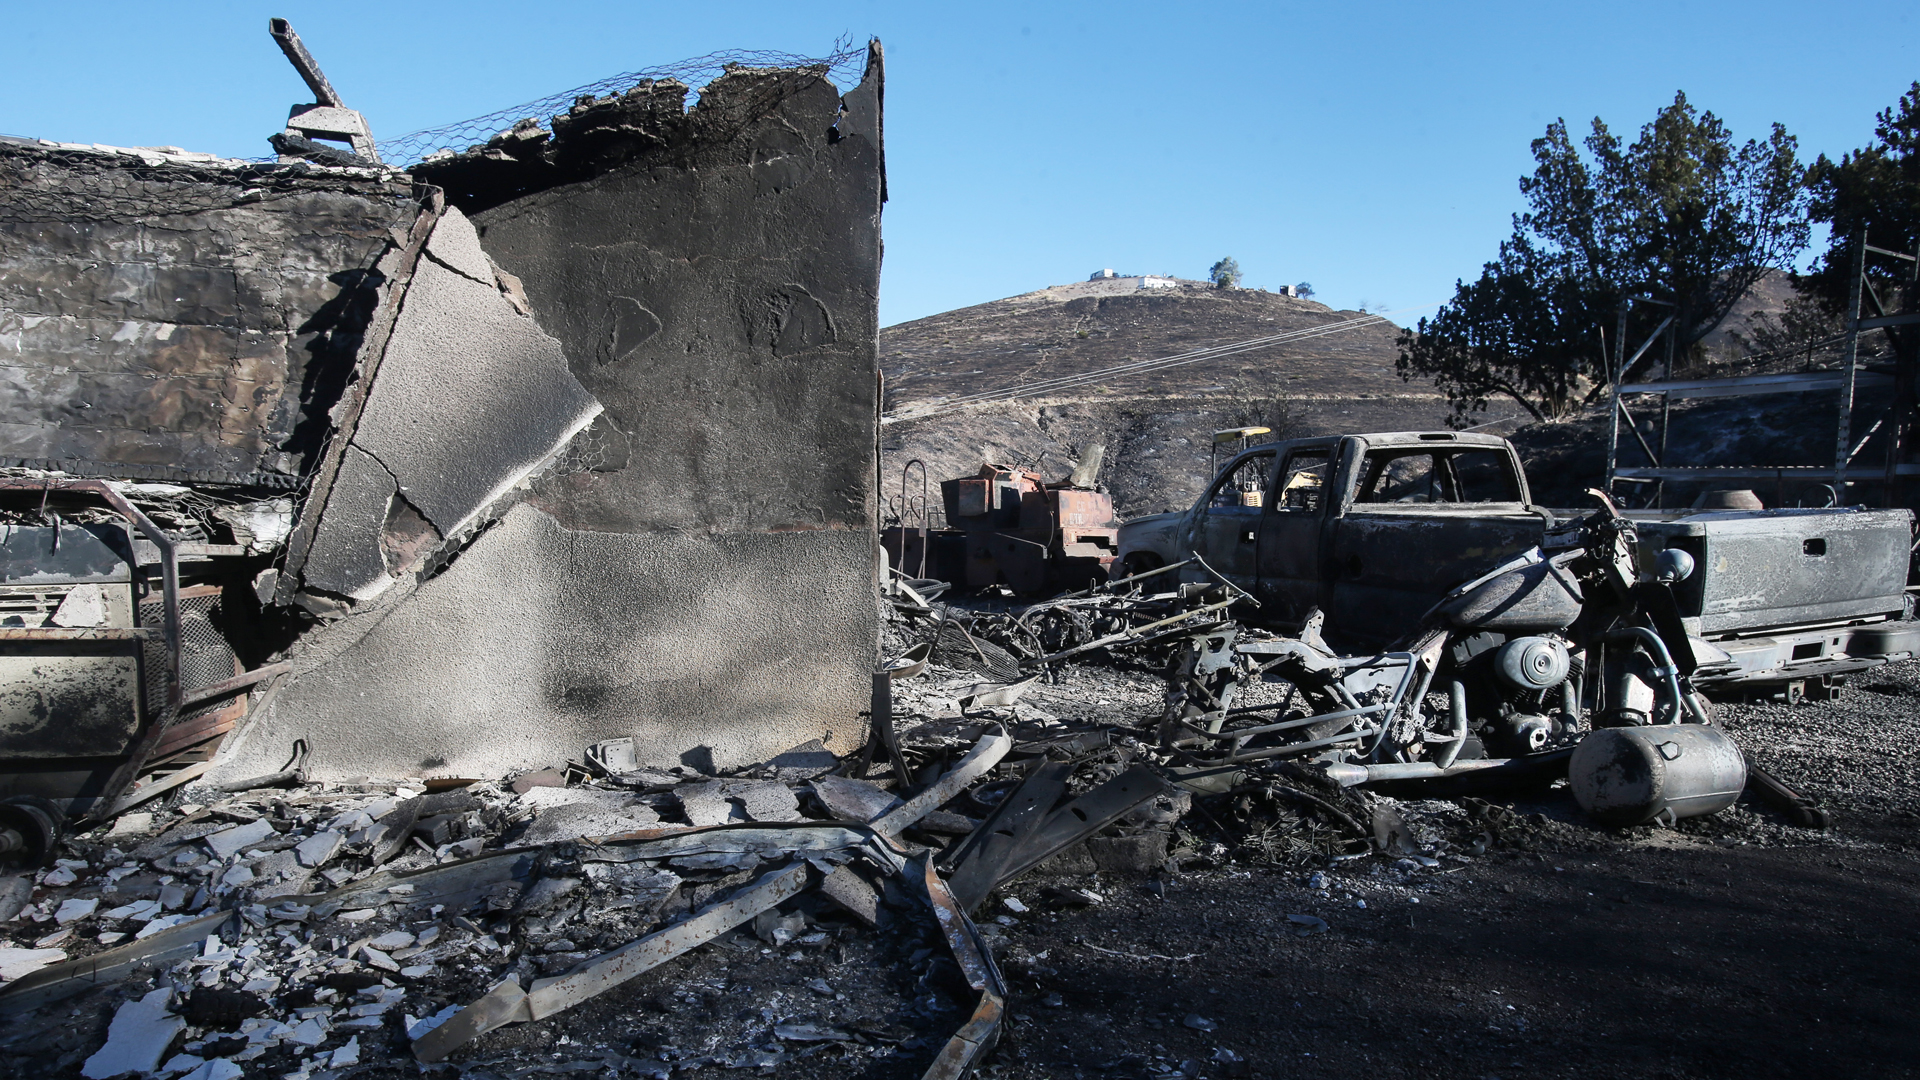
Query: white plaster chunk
pixel 139 909
pixel 346 1055
pixel 853 800
pixel 225 844
pixel 567 813
pixel 418 1027
pixel 315 850
pixel 707 804
pixel 803 762
pixel 86 605
pixel 139 1034
pixel 310 1032
pixel 74 910
pixel 767 801
pixel 19 963
pixel 125 824
pixel 159 924
pixel 455 242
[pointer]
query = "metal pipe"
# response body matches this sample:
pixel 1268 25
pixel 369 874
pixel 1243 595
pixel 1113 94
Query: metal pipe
pixel 229 687
pixel 1155 572
pixel 1669 674
pixel 1296 748
pixel 1289 725
pixel 1134 633
pixel 1457 700
pixel 1844 421
pixel 304 63
pixel 1351 775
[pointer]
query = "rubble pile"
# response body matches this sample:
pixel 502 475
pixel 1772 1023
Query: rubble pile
pixel 808 913
pixel 304 928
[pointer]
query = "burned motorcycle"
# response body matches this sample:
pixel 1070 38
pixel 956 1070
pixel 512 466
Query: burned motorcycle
pixel 1566 656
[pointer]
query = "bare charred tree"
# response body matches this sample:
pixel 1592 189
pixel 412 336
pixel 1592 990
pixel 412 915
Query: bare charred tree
pixel 1683 215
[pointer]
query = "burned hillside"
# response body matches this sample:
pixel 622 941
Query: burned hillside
pixel 1152 423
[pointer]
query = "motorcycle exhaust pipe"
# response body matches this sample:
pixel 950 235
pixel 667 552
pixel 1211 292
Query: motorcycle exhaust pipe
pixel 1505 770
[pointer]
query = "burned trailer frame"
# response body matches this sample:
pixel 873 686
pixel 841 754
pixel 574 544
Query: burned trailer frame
pixel 77 721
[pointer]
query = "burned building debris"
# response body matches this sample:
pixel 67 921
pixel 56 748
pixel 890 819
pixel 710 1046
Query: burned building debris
pixel 444 627
pixel 495 492
pixel 815 911
pixel 1006 527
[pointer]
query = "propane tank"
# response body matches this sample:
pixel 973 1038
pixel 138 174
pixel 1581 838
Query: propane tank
pixel 1665 772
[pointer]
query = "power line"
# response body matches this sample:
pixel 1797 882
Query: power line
pixel 1141 367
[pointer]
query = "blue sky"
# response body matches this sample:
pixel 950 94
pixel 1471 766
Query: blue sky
pixel 1371 149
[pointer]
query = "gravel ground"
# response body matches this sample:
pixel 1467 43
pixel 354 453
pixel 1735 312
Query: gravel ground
pixel 1522 940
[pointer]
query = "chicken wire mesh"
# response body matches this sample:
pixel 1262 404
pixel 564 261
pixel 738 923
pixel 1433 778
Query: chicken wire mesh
pixel 844 65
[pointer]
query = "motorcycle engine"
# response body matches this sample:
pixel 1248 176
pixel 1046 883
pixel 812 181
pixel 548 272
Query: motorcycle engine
pixel 1533 664
pixel 1516 690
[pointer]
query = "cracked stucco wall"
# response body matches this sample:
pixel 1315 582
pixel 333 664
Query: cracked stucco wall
pixel 695 567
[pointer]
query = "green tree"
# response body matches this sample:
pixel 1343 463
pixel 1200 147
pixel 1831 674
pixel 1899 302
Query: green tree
pixel 1875 189
pixel 1875 192
pixel 1224 274
pixel 1683 215
pixel 1304 290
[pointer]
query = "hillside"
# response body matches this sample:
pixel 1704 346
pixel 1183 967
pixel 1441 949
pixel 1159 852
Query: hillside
pixel 1155 425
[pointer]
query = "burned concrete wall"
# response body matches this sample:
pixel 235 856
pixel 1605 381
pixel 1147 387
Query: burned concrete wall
pixel 174 316
pixel 687 299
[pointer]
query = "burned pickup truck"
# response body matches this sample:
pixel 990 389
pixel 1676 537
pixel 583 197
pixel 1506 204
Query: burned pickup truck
pixel 1372 530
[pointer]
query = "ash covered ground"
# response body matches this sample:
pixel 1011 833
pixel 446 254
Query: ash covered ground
pixel 1250 937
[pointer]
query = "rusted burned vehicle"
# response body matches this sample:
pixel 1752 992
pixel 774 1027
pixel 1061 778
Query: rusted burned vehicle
pixel 1008 526
pixel 1372 530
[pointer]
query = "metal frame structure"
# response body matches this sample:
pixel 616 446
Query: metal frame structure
pixel 1848 380
pixel 155 725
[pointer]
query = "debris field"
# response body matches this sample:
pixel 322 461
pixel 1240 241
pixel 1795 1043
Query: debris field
pixel 329 929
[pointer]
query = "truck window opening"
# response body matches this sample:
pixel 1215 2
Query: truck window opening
pixel 1302 480
pixel 1437 476
pixel 1245 484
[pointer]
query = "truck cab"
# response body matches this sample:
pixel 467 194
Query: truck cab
pixel 1369 529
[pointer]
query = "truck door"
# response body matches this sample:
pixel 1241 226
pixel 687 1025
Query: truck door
pixel 1423 520
pixel 1289 549
pixel 1227 534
